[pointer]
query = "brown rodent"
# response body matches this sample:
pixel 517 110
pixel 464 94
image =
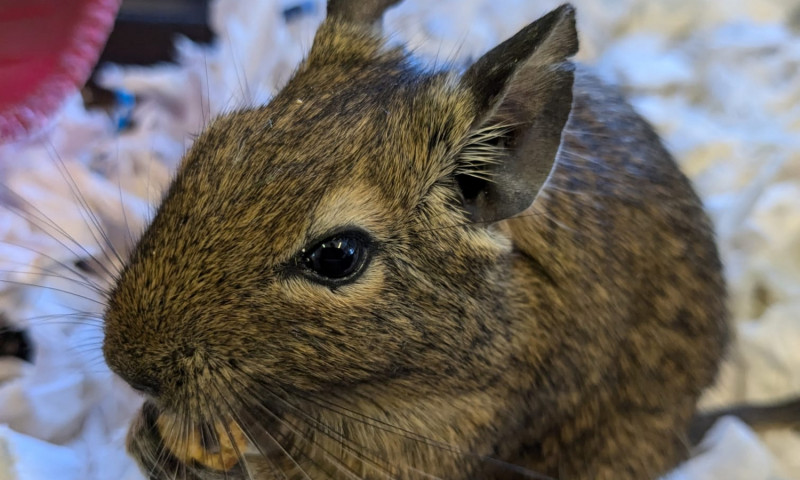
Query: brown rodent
pixel 394 273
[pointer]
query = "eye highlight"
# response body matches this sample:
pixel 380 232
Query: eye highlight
pixel 337 259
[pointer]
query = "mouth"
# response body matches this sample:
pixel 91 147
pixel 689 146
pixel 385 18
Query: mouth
pixel 219 446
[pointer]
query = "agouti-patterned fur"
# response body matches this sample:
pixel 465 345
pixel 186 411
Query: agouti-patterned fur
pixel 541 292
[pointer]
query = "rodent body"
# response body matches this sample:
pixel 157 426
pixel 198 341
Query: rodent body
pixel 483 335
pixel 620 224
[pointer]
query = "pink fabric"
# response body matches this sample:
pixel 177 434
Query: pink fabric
pixel 47 50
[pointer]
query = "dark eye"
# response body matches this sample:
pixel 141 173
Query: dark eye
pixel 338 257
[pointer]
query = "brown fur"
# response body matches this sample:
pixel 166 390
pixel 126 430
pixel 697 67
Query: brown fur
pixel 571 340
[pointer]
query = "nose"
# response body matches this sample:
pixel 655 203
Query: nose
pixel 143 382
pixel 133 370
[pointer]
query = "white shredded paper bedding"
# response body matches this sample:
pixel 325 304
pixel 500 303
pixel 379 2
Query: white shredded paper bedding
pixel 719 79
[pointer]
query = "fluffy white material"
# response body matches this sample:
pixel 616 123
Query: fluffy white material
pixel 718 78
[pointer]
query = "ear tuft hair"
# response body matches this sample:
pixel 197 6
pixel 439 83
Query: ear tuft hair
pixel 522 94
pixel 363 12
pixel 351 33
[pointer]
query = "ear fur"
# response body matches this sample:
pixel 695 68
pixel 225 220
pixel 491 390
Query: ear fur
pixel 522 93
pixel 362 12
pixel 351 32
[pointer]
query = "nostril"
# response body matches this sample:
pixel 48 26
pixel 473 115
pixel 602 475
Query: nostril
pixel 133 374
pixel 133 366
pixel 149 386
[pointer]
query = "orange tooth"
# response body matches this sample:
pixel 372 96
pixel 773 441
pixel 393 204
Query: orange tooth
pixel 232 442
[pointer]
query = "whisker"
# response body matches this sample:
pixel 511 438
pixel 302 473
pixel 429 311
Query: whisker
pixel 249 436
pixel 131 241
pixel 52 275
pixel 43 222
pixel 229 434
pixel 205 110
pixel 389 428
pixel 85 208
pixel 207 444
pixel 341 467
pixel 244 88
pixel 347 445
pixel 91 344
pixel 60 290
pixel 37 321
pixel 60 263
pixel 273 440
pixel 163 450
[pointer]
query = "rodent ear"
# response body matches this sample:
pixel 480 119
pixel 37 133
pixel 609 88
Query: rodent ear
pixel 351 34
pixel 362 12
pixel 523 97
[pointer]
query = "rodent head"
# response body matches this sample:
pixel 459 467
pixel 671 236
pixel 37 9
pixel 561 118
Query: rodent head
pixel 339 240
